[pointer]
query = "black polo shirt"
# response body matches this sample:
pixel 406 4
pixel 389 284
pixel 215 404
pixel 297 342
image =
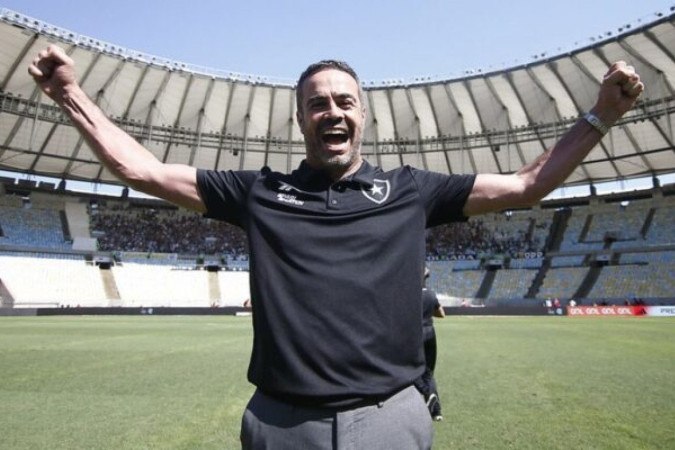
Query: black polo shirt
pixel 336 274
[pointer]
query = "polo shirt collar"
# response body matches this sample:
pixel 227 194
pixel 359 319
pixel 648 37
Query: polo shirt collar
pixel 364 176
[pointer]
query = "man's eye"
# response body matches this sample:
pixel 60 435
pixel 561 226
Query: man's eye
pixel 347 102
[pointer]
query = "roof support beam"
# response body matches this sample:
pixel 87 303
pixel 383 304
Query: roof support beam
pixel 247 123
pixel 462 137
pixel 668 52
pixel 530 120
pixel 18 60
pixel 223 129
pixel 635 54
pixel 441 141
pixel 376 133
pixel 482 124
pixel 132 98
pixel 268 134
pixel 291 124
pixel 397 138
pixel 153 106
pixel 510 126
pixel 418 131
pixel 176 123
pixel 200 122
pixel 44 145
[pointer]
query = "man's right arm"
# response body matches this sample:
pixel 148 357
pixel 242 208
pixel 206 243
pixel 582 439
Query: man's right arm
pixel 128 160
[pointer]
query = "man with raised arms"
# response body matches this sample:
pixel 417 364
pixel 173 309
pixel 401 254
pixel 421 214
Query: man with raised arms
pixel 337 251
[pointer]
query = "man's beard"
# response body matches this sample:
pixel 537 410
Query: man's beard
pixel 341 161
pixel 336 162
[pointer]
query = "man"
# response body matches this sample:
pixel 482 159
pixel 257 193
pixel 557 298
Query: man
pixel 426 383
pixel 336 249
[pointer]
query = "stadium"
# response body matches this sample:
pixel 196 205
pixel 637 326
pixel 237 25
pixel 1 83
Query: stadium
pixel 111 252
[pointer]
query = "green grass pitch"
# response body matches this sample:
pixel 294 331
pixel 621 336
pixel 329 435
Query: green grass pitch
pixel 179 382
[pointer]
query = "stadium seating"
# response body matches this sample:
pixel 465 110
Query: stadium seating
pixel 48 281
pixel 152 285
pixel 32 227
pixel 512 283
pixel 562 282
pixel 162 256
pixel 635 281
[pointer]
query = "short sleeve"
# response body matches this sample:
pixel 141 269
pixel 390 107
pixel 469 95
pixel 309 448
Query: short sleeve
pixel 444 196
pixel 225 193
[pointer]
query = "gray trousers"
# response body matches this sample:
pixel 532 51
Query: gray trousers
pixel 400 422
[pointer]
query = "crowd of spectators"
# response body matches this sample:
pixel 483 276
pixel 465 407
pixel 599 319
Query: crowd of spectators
pixel 142 229
pixel 164 231
pixel 477 237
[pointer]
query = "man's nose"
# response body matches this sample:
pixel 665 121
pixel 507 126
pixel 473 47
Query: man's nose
pixel 333 111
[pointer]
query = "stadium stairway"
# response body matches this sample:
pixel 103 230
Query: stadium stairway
pixel 64 226
pixel 539 278
pixel 76 220
pixel 589 281
pixel 555 237
pixel 648 223
pixel 110 286
pixel 486 284
pixel 6 299
pixel 586 228
pixel 214 288
pixel 558 227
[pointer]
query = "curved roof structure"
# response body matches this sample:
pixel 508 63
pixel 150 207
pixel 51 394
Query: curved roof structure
pixel 482 122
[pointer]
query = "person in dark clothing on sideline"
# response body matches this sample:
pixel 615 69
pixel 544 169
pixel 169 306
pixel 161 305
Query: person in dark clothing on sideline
pixel 426 384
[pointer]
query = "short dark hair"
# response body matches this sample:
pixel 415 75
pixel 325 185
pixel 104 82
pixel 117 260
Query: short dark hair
pixel 325 65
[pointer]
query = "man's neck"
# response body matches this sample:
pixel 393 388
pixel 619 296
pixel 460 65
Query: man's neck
pixel 338 173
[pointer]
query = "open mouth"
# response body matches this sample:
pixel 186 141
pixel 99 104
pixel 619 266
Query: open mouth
pixel 334 136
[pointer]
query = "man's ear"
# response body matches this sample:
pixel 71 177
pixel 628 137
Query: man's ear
pixel 298 117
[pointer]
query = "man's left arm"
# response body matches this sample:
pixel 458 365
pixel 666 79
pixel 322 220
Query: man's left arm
pixel 619 91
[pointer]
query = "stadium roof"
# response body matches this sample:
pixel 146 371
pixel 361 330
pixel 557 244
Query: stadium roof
pixel 482 122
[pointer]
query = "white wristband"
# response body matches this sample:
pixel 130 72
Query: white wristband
pixel 596 123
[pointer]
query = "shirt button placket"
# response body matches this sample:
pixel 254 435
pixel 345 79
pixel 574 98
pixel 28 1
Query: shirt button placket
pixel 333 202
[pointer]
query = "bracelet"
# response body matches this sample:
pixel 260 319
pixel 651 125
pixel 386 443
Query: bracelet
pixel 596 123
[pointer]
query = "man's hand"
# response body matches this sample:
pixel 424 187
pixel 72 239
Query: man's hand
pixel 54 72
pixel 619 91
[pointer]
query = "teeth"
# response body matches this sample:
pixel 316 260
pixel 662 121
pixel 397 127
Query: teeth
pixel 337 132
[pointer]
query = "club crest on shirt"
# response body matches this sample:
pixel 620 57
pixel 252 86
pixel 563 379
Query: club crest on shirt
pixel 378 192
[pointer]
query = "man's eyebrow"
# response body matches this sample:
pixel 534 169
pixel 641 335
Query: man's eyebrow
pixel 342 96
pixel 346 95
pixel 316 97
